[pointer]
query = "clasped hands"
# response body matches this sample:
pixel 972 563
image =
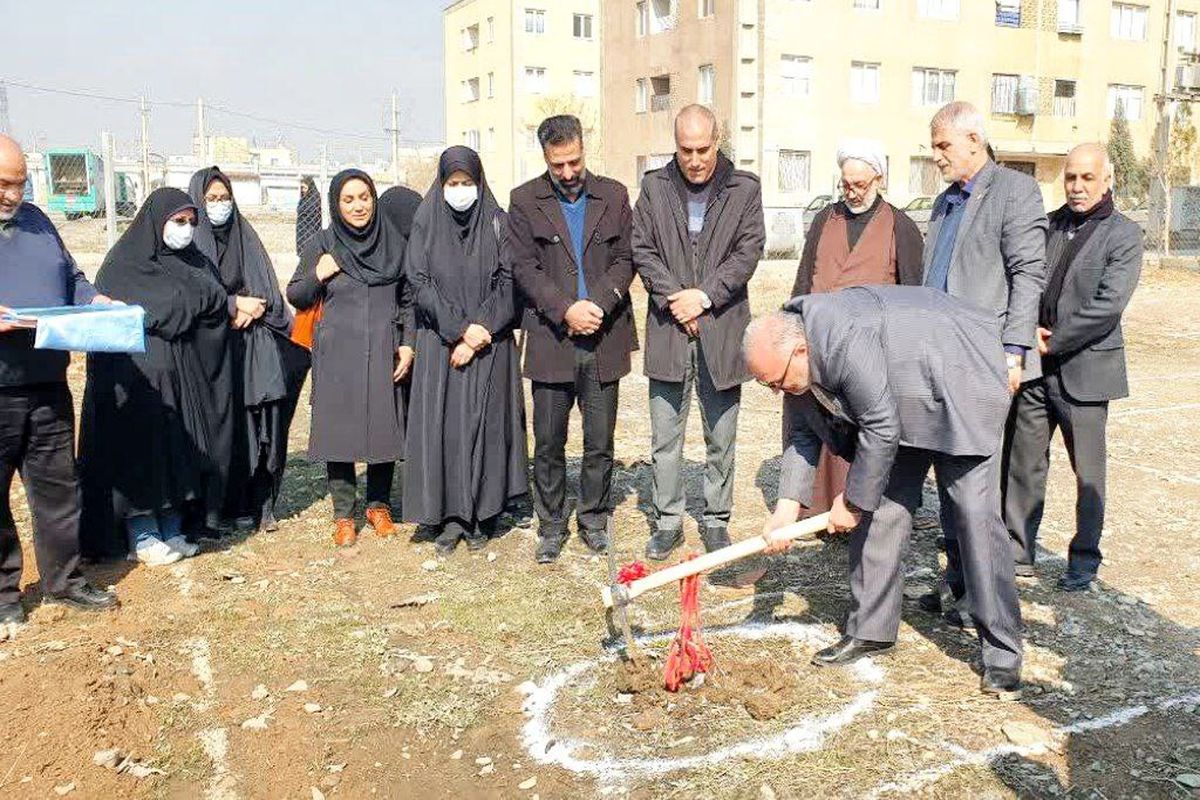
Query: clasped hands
pixel 248 310
pixel 686 307
pixel 474 338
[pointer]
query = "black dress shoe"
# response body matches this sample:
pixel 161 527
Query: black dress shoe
pixel 1075 581
pixel 1003 683
pixel 848 650
pixel 549 547
pixel 930 602
pixel 596 539
pixel 424 534
pixel 957 619
pixel 447 540
pixel 86 598
pixel 715 538
pixel 12 614
pixel 662 543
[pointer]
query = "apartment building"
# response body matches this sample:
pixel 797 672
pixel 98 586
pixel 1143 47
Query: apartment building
pixel 508 65
pixel 790 78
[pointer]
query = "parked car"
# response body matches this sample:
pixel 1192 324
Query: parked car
pixel 919 210
pixel 813 208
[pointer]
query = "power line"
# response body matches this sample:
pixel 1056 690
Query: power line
pixel 213 107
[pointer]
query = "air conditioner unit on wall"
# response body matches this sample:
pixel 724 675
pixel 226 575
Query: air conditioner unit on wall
pixel 1070 28
pixel 1028 96
pixel 1187 77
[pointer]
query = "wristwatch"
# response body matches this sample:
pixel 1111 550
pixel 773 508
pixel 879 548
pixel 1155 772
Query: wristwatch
pixel 705 303
pixel 1015 361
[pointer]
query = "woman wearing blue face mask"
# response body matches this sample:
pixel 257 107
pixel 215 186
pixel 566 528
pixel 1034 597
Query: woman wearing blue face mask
pixel 156 437
pixel 268 369
pixel 465 455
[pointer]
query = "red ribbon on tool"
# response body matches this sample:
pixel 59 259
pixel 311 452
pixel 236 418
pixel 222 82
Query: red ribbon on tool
pixel 689 654
pixel 632 572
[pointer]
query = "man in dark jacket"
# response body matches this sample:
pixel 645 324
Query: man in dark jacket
pixel 568 244
pixel 897 379
pixel 37 417
pixel 1094 258
pixel 698 235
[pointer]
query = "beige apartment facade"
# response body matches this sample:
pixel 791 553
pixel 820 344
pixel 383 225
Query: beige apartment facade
pixel 508 65
pixel 789 79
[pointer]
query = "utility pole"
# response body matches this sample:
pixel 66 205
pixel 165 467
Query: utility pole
pixel 1160 183
pixel 110 187
pixel 145 149
pixel 395 131
pixel 200 132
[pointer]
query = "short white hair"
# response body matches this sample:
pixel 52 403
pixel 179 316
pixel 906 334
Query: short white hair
pixel 960 116
pixel 782 330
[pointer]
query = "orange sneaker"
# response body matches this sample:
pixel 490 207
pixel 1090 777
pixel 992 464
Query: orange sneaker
pixel 344 535
pixel 381 520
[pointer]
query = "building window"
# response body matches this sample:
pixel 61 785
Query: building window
pixel 1129 22
pixel 641 102
pixel 490 142
pixel 1064 98
pixel 937 9
pixel 652 161
pixel 1130 98
pixel 660 93
pixel 796 73
pixel 535 80
pixel 793 170
pixel 491 29
pixel 535 20
pixel 471 139
pixel 924 178
pixel 868 5
pixel 708 85
pixel 663 15
pixel 1185 32
pixel 932 87
pixel 707 8
pixel 585 84
pixel 583 26
pixel 1068 16
pixel 643 18
pixel 470 90
pixel 470 37
pixel 1004 93
pixel 864 82
pixel 1008 13
pixel 491 84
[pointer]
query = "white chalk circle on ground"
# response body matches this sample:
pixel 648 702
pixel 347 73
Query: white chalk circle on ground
pixel 806 735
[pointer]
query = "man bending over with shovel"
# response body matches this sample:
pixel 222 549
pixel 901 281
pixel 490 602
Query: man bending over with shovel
pixel 896 379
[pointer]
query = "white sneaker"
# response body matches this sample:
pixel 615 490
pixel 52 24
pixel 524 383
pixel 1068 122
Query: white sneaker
pixel 155 553
pixel 182 546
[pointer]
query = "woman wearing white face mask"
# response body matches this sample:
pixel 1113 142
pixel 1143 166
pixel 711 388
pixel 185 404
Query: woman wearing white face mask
pixel 156 431
pixel 465 456
pixel 268 369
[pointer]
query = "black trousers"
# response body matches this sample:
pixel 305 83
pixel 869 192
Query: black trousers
pixel 343 486
pixel 1041 407
pixel 552 403
pixel 37 439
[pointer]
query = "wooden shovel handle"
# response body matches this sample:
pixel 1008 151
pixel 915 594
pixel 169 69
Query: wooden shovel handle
pixel 804 529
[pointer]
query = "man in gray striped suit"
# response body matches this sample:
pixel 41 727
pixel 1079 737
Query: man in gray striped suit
pixel 897 379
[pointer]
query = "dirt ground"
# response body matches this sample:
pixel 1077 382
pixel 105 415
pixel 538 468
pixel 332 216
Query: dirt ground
pixel 274 666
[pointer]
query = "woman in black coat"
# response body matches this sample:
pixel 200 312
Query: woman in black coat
pixel 268 369
pixel 466 445
pixel 157 427
pixel 355 269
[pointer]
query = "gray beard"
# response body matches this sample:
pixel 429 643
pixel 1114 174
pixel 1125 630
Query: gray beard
pixel 563 190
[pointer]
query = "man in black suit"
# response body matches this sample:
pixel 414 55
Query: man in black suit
pixel 896 379
pixel 1094 258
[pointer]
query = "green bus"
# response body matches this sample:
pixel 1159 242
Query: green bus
pixel 75 179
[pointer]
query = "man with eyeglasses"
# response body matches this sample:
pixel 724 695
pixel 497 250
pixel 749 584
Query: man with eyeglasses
pixel 37 417
pixel 896 379
pixel 860 240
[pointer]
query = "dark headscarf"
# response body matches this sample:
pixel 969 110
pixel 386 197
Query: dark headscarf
pixel 174 286
pixel 308 214
pixel 373 254
pixel 458 251
pixel 398 205
pixel 243 265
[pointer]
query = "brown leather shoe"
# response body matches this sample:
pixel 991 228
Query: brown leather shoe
pixel 381 520
pixel 344 535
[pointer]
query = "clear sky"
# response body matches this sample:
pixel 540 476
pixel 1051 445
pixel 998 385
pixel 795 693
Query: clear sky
pixel 327 65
